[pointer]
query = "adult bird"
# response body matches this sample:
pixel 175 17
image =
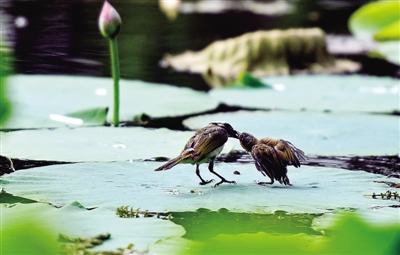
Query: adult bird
pixel 272 156
pixel 203 147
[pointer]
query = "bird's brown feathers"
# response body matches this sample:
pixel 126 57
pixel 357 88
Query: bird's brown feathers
pixel 287 152
pixel 201 147
pixel 205 141
pixel 272 156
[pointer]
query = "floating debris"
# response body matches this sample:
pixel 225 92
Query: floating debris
pixel 387 195
pixel 130 212
pixel 390 184
pixel 173 192
pixel 79 245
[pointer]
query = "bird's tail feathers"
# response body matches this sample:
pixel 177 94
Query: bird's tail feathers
pixel 173 162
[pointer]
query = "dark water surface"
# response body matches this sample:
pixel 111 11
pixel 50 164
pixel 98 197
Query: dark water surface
pixel 62 37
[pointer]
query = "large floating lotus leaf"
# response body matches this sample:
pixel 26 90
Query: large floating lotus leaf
pixel 318 133
pixel 318 92
pixel 95 144
pixel 262 53
pixel 379 21
pixel 35 98
pixel 76 221
pixel 114 184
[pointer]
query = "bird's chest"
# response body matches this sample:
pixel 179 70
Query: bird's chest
pixel 210 155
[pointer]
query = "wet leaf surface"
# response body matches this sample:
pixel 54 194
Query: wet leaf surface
pixel 111 185
pixel 35 98
pixel 93 144
pixel 352 93
pixel 317 133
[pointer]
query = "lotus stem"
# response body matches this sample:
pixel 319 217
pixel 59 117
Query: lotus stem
pixel 115 76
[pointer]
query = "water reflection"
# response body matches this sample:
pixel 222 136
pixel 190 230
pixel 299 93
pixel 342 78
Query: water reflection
pixel 63 37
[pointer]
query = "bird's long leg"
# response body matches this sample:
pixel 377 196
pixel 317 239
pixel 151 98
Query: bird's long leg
pixel 203 182
pixel 211 168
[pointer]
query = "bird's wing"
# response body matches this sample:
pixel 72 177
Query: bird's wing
pixel 289 154
pixel 209 140
pixel 267 160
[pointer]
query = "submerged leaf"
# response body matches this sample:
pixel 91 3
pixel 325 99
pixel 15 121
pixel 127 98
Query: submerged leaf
pixel 246 80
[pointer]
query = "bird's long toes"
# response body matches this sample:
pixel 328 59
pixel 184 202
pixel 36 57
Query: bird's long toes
pixel 206 182
pixel 222 181
pixel 262 183
pixel 217 184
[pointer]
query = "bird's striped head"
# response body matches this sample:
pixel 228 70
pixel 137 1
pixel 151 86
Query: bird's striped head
pixel 228 128
pixel 247 141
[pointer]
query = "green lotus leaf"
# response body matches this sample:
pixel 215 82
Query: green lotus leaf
pixel 349 235
pixel 110 185
pixel 91 116
pixel 380 21
pixel 374 17
pixel 93 144
pixel 76 221
pixel 96 144
pixel 353 93
pixel 36 98
pixel 245 80
pixel 317 133
pixel 389 33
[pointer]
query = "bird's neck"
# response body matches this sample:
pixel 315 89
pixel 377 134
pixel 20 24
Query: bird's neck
pixel 249 145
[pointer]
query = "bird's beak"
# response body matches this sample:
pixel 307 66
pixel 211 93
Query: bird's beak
pixel 237 134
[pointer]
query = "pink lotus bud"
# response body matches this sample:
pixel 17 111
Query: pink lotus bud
pixel 109 21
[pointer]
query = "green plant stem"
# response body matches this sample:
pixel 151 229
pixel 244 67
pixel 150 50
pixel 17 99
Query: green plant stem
pixel 115 75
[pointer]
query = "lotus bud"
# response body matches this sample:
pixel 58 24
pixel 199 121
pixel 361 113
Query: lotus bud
pixel 109 21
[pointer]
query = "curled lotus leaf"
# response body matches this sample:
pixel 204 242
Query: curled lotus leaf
pixel 262 53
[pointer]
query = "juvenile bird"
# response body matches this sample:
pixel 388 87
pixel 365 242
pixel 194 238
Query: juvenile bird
pixel 203 147
pixel 272 156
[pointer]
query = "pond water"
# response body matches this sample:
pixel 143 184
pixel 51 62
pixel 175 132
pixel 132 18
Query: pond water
pixel 63 37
